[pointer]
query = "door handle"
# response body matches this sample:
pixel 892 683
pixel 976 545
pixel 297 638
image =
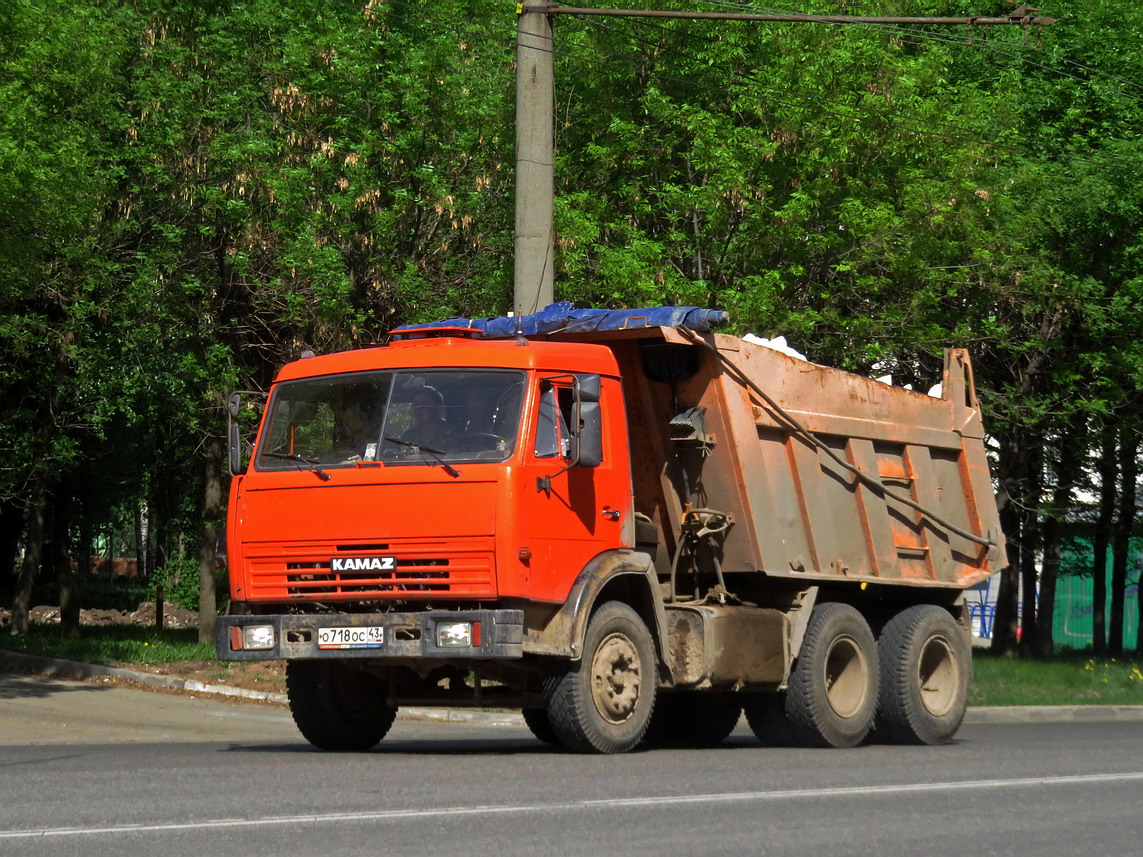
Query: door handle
pixel 611 514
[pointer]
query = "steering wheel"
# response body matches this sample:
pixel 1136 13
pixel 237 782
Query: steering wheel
pixel 477 441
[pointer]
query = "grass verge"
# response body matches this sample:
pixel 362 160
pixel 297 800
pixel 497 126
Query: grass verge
pixel 1070 678
pixel 111 644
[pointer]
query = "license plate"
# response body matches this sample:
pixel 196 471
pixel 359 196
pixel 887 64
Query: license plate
pixel 360 637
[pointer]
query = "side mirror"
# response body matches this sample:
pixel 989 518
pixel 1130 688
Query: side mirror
pixel 587 388
pixel 233 435
pixel 587 423
pixel 585 441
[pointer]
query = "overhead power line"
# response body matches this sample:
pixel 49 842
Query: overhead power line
pixel 1019 17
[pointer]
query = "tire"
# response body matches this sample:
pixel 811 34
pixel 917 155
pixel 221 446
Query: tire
pixel 766 714
pixel 536 719
pixel 926 665
pixel 603 703
pixel 691 720
pixel 831 699
pixel 337 706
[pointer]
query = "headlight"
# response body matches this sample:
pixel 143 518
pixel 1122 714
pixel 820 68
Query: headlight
pixel 257 637
pixel 454 634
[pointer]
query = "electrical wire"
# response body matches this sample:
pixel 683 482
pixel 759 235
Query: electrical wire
pixel 948 131
pixel 566 50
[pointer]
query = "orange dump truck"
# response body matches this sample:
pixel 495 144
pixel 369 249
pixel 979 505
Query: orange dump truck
pixel 627 526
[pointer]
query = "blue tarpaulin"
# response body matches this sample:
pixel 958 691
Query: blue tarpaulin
pixel 561 318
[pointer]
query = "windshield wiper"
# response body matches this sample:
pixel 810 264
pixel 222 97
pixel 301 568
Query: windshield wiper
pixel 297 459
pixel 435 453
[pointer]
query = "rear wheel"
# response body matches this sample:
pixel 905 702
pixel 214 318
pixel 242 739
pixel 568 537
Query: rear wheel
pixel 337 705
pixel 832 694
pixel 603 703
pixel 536 719
pixel 766 714
pixel 926 664
pixel 692 720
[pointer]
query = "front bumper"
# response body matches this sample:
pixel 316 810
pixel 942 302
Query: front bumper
pixel 405 635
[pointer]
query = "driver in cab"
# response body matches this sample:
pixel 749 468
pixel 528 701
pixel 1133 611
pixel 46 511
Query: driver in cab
pixel 429 430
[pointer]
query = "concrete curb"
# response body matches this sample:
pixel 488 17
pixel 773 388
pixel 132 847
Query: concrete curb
pixel 75 670
pixel 56 668
pixel 1054 714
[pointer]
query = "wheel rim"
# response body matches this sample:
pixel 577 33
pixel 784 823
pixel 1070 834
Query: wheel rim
pixel 615 678
pixel 846 676
pixel 356 695
pixel 937 676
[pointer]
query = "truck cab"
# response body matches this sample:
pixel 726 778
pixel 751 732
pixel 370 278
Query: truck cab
pixel 433 471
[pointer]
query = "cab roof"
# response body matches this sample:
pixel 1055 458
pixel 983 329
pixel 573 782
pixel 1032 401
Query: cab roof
pixel 457 352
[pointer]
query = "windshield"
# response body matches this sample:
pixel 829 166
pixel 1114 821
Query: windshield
pixel 411 417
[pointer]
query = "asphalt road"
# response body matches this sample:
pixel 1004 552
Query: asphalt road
pixel 93 771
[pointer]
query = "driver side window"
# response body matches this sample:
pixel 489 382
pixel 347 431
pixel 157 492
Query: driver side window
pixel 552 438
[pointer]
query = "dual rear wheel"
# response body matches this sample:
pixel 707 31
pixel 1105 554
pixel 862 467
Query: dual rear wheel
pixel 926 665
pixel 908 686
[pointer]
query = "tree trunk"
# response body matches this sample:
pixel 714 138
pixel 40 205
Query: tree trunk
pixel 1067 472
pixel 1030 535
pixel 160 507
pixel 11 526
pixel 1030 542
pixel 86 542
pixel 33 556
pixel 1005 622
pixel 208 545
pixel 1045 643
pixel 140 543
pixel 1121 536
pixel 1108 471
pixel 61 558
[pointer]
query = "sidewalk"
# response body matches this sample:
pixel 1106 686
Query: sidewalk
pixel 54 668
pixel 76 671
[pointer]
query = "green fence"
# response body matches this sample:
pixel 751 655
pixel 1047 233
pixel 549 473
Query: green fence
pixel 1071 627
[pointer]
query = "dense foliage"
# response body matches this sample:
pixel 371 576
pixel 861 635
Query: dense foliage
pixel 192 192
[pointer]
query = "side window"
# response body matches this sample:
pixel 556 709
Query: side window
pixel 552 437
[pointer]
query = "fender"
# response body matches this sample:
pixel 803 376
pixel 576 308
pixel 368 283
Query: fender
pixel 634 571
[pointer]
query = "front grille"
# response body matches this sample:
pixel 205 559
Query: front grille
pixel 410 576
pixel 297 572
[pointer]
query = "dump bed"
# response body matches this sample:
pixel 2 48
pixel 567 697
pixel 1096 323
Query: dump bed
pixel 823 474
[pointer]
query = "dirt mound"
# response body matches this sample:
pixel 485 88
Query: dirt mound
pixel 173 616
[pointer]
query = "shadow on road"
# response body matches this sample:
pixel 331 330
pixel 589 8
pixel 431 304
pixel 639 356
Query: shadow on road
pixel 14 686
pixel 426 747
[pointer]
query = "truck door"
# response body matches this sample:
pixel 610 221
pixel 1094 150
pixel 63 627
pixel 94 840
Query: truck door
pixel 571 513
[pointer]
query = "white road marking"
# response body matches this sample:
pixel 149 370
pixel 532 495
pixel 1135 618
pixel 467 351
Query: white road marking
pixel 573 806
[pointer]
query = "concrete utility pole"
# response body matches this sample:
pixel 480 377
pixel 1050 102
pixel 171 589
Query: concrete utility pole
pixel 535 172
pixel 535 119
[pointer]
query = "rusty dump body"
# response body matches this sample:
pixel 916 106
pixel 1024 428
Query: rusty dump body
pixel 821 475
pixel 764 484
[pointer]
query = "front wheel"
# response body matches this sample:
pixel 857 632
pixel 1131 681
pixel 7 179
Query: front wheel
pixel 603 703
pixel 926 664
pixel 337 705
